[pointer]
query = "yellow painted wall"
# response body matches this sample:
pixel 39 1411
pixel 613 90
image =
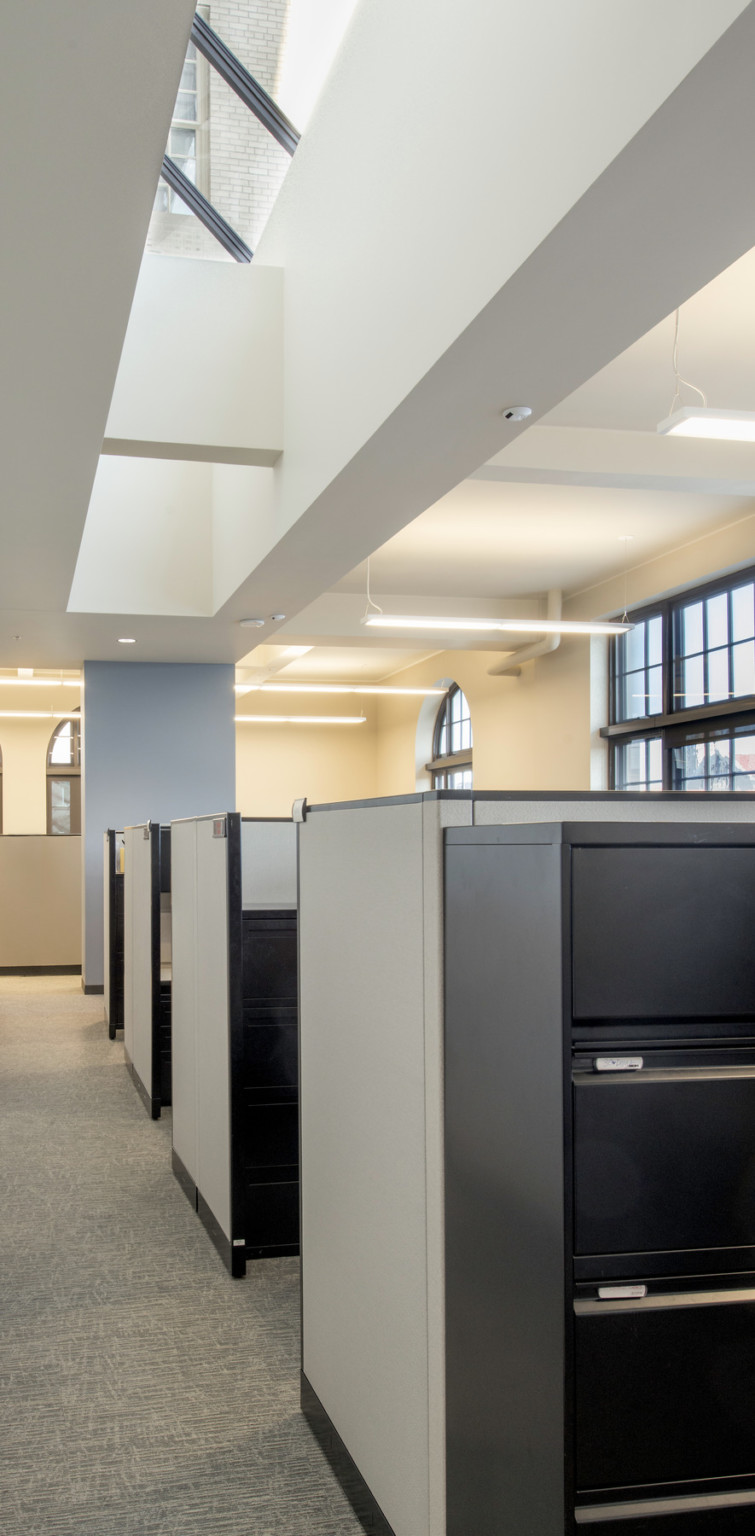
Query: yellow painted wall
pixel 24 746
pixel 277 764
pixel 530 732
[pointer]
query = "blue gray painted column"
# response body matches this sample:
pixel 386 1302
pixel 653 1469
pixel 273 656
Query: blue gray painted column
pixel 159 743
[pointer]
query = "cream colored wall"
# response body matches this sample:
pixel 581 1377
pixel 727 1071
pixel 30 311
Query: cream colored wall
pixel 277 764
pixel 24 746
pixel 530 732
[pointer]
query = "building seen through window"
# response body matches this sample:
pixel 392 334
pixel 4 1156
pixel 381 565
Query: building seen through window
pixel 451 765
pixel 217 142
pixel 64 780
pixel 682 707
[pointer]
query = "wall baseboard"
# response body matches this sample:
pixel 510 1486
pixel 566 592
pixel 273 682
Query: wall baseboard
pixel 93 988
pixel 41 970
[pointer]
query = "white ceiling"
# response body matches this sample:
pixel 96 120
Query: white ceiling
pixel 549 512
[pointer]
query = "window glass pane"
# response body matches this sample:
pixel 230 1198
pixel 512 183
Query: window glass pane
pixel 691 629
pixel 718 620
pixel 742 618
pixel 62 747
pixel 186 107
pixel 694 686
pixel 655 761
pixel 632 695
pixel 655 691
pixel 689 763
pixel 655 637
pixel 634 648
pixel 718 676
pixel 719 764
pixel 60 807
pixel 743 656
pixel 639 765
pixel 744 762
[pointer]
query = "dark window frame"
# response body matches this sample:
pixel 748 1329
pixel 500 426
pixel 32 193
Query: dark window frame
pixel 68 772
pixel 673 725
pixel 443 764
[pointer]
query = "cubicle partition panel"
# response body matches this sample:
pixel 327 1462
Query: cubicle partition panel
pixel 435 1362
pixel 113 929
pixel 235 1143
pixel 146 968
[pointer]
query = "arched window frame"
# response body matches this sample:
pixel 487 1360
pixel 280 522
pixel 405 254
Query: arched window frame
pixel 451 764
pixel 64 783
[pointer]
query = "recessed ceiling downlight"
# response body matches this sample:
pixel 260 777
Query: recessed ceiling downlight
pixel 252 623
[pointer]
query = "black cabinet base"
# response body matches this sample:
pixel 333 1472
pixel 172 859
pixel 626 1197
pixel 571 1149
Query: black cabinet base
pixel 184 1178
pixel 233 1257
pixel 151 1105
pixel 365 1507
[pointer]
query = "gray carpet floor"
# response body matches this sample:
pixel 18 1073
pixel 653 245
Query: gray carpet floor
pixel 143 1390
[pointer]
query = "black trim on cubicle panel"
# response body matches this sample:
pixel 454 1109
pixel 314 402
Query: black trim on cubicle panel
pixel 154 889
pixel 236 1258
pixel 115 1004
pixel 364 1504
pixel 162 1018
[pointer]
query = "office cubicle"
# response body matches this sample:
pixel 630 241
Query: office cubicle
pixel 235 1046
pixel 147 962
pixel 113 857
pixel 390 1382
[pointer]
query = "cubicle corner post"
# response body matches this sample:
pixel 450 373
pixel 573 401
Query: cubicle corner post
pixel 154 877
pixel 237 1263
pixel 505 1232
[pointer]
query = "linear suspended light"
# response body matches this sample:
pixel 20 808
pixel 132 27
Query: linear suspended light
pixel 40 714
pixel 703 421
pixel 301 719
pixel 518 626
pixel 40 682
pixel 336 688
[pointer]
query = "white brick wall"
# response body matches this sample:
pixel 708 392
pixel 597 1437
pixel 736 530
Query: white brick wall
pixel 246 166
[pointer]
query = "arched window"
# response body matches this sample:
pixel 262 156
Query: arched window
pixel 451 765
pixel 64 780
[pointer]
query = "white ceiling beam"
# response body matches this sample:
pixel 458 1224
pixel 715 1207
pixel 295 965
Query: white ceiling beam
pixel 86 94
pixel 535 232
pixel 610 460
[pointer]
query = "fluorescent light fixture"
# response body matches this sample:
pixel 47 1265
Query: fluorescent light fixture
pixel 40 682
pixel 126 640
pixel 301 719
pixel 336 688
pixel 494 626
pixel 701 421
pixel 39 714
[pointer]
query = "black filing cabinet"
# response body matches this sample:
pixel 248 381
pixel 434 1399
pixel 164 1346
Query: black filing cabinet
pixel 600 1179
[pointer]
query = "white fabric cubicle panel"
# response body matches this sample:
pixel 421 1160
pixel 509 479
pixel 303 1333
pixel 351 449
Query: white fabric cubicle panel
pixel 137 952
pixel 371 1146
pixel 212 1049
pixel 268 865
pixel 616 807
pixel 183 858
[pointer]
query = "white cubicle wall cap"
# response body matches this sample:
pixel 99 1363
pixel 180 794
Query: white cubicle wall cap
pixel 299 809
